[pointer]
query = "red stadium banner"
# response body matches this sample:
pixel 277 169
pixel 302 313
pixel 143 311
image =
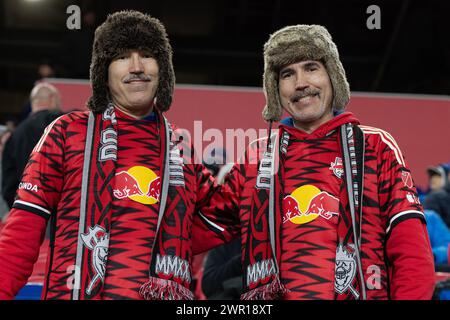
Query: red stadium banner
pixel 419 123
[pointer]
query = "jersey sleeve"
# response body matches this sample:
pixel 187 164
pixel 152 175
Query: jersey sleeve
pixel 411 259
pixel 40 187
pixel 20 242
pixel 398 196
pixel 408 249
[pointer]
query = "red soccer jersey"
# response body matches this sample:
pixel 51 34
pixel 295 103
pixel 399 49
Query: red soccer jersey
pixel 310 214
pixel 135 207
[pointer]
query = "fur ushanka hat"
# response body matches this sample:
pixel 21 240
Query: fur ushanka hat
pixel 123 31
pixel 298 43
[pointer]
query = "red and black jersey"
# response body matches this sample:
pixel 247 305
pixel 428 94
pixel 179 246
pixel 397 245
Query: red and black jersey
pixel 135 213
pixel 395 249
pixel 309 233
pixel 51 188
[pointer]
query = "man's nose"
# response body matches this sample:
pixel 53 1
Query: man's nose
pixel 136 65
pixel 301 81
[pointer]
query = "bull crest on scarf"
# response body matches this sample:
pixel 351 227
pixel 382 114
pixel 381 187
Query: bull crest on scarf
pixel 345 270
pixel 97 240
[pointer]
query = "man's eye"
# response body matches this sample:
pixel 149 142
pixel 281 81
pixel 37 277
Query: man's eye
pixel 311 68
pixel 285 75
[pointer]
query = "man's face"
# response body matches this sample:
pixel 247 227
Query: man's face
pixel 306 93
pixel 133 78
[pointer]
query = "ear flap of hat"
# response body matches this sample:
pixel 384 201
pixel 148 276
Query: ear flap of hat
pixel 166 85
pixel 273 109
pixel 341 88
pixel 99 82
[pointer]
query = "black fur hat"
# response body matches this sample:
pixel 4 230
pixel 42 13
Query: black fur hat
pixel 123 31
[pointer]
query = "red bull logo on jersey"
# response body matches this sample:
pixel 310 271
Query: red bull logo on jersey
pixel 139 184
pixel 307 203
pixel 337 167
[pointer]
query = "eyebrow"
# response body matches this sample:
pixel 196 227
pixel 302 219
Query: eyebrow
pixel 306 65
pixel 285 69
pixel 311 64
pixel 146 51
pixel 129 51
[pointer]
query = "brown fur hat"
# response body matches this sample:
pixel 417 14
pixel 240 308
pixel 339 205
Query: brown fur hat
pixel 123 31
pixel 298 43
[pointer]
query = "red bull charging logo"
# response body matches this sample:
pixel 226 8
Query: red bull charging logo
pixel 307 203
pixel 139 184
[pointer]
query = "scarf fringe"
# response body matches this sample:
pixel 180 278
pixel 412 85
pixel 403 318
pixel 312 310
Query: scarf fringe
pixel 162 289
pixel 271 291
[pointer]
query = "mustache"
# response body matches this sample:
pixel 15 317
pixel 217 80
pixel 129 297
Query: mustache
pixel 136 76
pixel 304 93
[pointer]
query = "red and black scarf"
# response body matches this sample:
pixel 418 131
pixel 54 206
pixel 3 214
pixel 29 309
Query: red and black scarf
pixel 262 254
pixel 169 268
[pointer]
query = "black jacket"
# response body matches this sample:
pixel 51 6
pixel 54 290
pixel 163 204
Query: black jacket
pixel 222 274
pixel 439 201
pixel 18 148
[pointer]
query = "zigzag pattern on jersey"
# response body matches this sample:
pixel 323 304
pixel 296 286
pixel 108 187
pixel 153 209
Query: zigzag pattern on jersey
pixel 371 222
pixel 73 126
pixel 130 249
pixel 299 264
pixel 308 265
pixel 133 224
pixel 381 203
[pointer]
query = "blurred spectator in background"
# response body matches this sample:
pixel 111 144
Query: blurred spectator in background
pixel 44 70
pixel 439 200
pixel 45 102
pixel 222 272
pixel 11 123
pixel 439 237
pixel 5 133
pixel 221 278
pixel 216 163
pixel 216 158
pixel 437 177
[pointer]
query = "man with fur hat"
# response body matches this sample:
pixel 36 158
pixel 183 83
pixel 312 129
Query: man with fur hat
pixel 328 207
pixel 116 183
